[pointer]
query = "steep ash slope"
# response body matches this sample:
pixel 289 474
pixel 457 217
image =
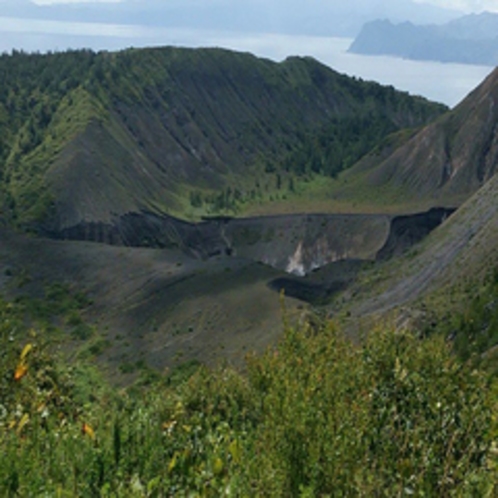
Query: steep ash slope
pixel 460 250
pixel 446 161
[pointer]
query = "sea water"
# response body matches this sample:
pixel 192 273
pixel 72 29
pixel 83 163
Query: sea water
pixel 442 82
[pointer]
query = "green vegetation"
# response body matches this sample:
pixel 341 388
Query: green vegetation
pixel 339 146
pixel 473 330
pixel 189 132
pixel 44 107
pixel 398 413
pixel 315 416
pixel 343 142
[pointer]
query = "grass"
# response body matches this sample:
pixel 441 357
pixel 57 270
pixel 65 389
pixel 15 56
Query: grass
pixel 347 194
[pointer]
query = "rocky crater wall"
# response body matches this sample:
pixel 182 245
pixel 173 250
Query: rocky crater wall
pixel 406 231
pixel 297 244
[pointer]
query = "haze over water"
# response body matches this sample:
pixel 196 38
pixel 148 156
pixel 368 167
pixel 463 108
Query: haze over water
pixel 448 83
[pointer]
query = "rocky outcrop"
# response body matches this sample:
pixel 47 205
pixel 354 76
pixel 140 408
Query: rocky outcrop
pixel 406 231
pixel 297 244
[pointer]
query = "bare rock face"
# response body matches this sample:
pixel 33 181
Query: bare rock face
pixel 297 244
pixel 302 243
pixel 406 231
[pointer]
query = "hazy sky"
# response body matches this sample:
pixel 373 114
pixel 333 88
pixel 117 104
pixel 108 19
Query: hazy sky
pixel 463 5
pixel 51 2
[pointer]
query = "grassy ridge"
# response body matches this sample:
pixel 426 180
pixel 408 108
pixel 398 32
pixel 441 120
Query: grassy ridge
pixel 180 130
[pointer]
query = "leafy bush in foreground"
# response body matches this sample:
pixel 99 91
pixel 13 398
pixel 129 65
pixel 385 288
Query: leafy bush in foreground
pixel 317 416
pixel 397 416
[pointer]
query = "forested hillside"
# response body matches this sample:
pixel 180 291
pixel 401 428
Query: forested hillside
pixel 85 136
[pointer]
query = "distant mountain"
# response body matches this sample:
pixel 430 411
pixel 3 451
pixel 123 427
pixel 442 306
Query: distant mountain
pixel 314 17
pixel 88 137
pixel 482 26
pixel 471 39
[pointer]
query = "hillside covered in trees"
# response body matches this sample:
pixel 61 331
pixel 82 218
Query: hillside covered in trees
pixel 87 136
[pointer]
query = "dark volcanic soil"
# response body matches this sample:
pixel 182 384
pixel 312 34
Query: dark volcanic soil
pixel 203 291
pixel 154 304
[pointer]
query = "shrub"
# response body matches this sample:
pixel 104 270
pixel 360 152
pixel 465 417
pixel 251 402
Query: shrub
pixel 398 415
pixel 315 416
